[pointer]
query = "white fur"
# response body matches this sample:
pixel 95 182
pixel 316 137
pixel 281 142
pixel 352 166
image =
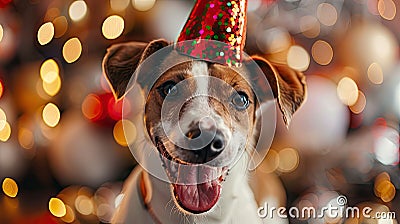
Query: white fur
pixel 198 106
pixel 200 69
pixel 236 204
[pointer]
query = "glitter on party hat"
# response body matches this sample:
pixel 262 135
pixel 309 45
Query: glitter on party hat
pixel 224 22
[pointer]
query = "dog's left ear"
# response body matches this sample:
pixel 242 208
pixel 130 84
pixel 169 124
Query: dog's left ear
pixel 288 86
pixel 121 61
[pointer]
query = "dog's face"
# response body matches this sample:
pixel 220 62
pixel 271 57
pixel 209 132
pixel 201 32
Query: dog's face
pixel 201 117
pixel 206 109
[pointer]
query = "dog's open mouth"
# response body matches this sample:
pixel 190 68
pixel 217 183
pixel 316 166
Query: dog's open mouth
pixel 201 197
pixel 196 187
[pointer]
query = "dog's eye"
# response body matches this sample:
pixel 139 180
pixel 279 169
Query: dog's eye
pixel 240 100
pixel 168 88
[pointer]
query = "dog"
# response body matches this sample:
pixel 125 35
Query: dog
pixel 219 121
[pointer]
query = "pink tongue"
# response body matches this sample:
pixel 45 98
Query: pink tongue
pixel 197 187
pixel 198 198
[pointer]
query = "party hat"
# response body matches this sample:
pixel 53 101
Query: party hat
pixel 215 31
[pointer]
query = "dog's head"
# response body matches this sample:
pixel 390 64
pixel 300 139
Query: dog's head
pixel 201 116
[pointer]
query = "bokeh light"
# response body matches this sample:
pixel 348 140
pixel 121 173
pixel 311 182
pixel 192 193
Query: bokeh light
pixel 104 212
pixel 10 187
pixel 1 89
pixel 327 14
pixel 52 88
pixel 45 33
pixel 322 52
pixel 387 9
pixel 360 104
pixel 26 138
pixel 1 32
pixel 124 132
pixel 271 162
pixel 288 160
pixel 92 108
pixel 72 50
pixel 388 193
pixel 310 26
pixel 116 108
pixel 57 207
pixel 3 119
pixel 367 43
pixel 84 205
pixel 384 188
pixel 113 26
pixel 51 115
pixel 60 25
pixel 387 147
pixel 119 5
pixel 382 176
pixel 143 5
pixel 5 132
pixel 298 58
pixel 347 91
pixel 69 216
pixel 375 73
pixel 40 91
pixel 77 10
pixel 49 70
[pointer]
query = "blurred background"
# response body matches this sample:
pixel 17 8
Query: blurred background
pixel 64 155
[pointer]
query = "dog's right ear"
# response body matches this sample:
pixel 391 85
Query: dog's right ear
pixel 121 61
pixel 287 85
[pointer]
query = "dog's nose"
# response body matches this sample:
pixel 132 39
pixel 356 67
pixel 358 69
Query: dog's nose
pixel 204 145
pixel 218 144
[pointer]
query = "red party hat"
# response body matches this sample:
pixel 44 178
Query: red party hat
pixel 223 23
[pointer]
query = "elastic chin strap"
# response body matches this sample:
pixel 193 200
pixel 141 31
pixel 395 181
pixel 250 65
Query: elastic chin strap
pixel 146 194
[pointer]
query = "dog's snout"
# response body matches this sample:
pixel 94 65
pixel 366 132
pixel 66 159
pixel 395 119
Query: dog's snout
pixel 204 145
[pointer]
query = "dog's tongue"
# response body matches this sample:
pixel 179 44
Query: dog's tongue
pixel 201 197
pixel 198 198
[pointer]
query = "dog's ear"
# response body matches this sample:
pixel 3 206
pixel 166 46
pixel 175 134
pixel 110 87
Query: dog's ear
pixel 121 61
pixel 288 86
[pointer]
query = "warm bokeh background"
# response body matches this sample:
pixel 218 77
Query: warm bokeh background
pixel 63 154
